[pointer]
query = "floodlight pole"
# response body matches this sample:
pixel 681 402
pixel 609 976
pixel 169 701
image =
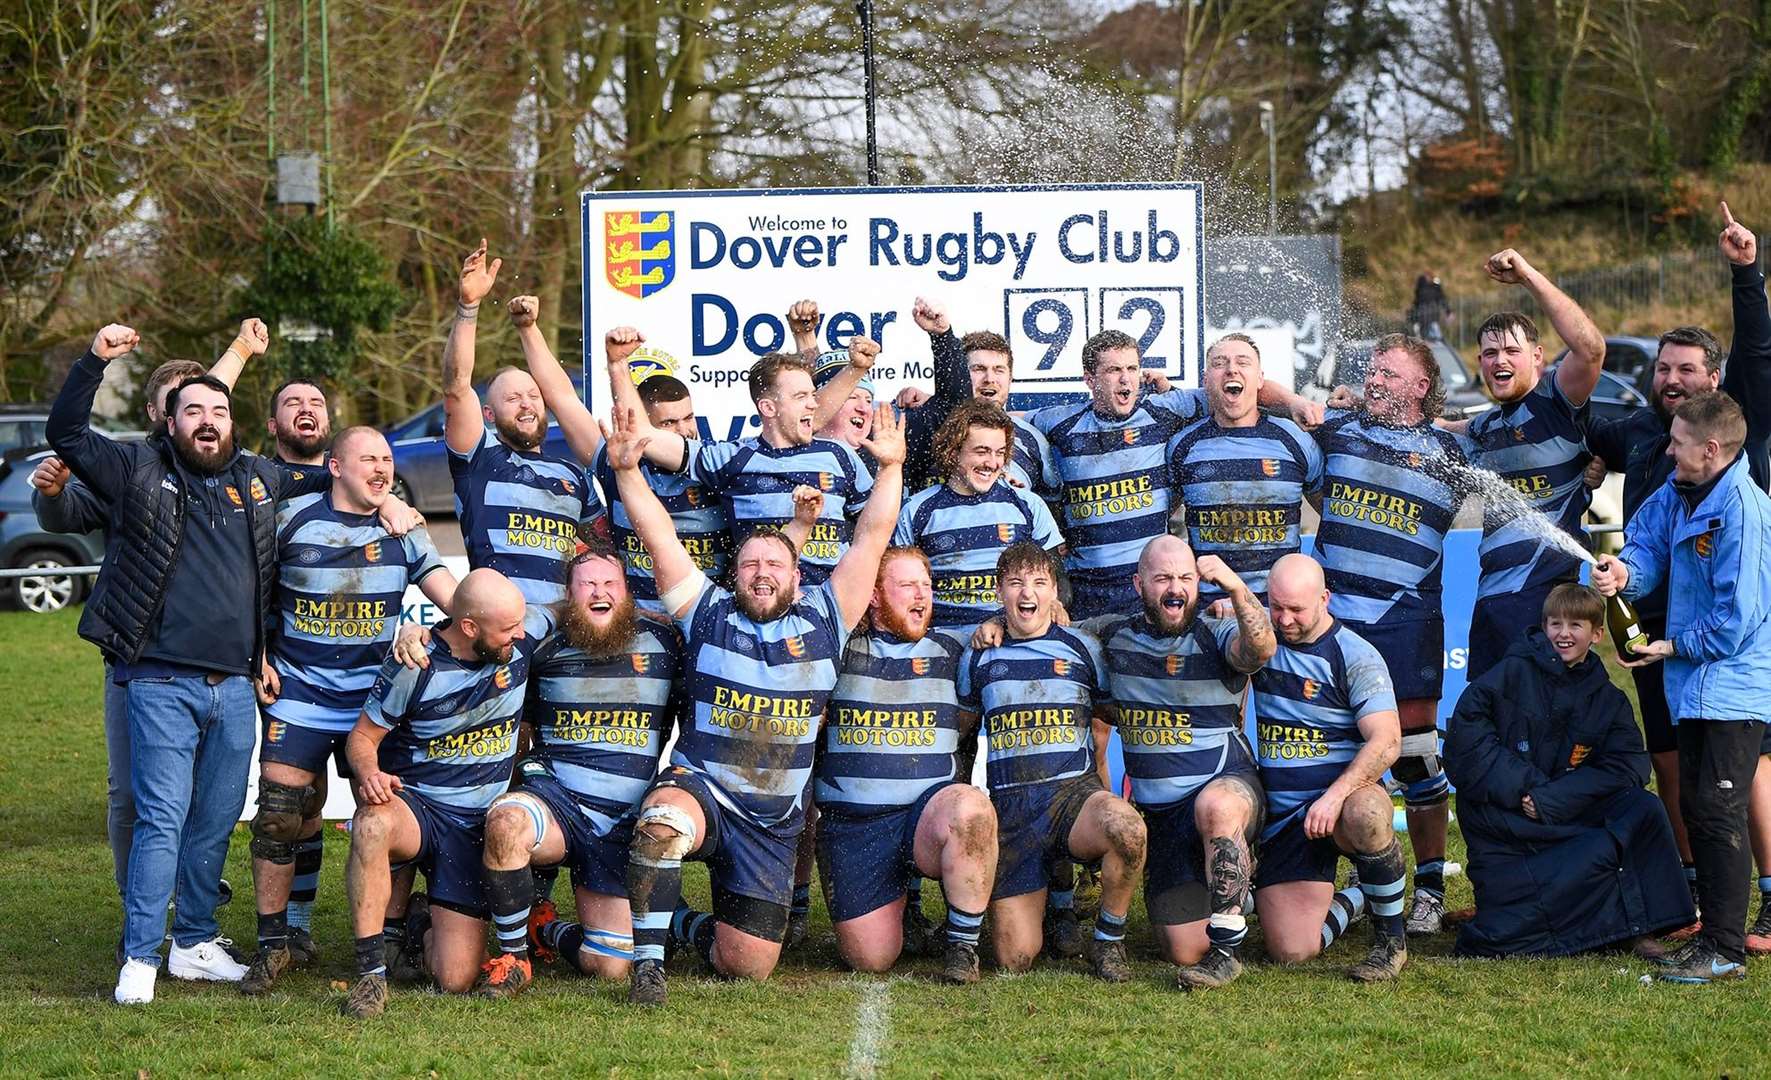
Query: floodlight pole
pixel 1268 126
pixel 864 8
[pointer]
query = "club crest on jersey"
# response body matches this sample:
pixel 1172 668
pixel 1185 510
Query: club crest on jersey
pixel 826 482
pixel 1706 545
pixel 1311 689
pixel 1172 664
pixel 1131 436
pixel 259 494
pixel 1005 531
pixel 1269 467
pixel 1414 459
pixel 1060 667
pixel 568 487
pixel 641 663
pixel 275 730
pixel 1518 434
pixel 372 551
pixel 919 665
pixel 692 496
pixel 796 646
pixel 639 251
pixel 234 495
pixel 1578 755
pixel 501 678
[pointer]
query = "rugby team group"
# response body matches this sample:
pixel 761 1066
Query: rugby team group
pixel 824 622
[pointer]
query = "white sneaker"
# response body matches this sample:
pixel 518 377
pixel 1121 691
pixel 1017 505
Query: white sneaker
pixel 135 983
pixel 204 960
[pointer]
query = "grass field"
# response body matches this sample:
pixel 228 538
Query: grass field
pixel 59 919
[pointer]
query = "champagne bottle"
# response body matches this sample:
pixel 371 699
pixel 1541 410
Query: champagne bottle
pixel 1625 626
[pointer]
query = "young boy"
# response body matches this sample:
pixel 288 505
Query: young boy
pixel 1567 849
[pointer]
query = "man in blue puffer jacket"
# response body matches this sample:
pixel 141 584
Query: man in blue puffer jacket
pixel 1707 535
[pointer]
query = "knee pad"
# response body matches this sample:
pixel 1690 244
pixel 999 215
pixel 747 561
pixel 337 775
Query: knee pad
pixel 1420 771
pixel 664 832
pixel 529 805
pixel 277 824
pixel 315 803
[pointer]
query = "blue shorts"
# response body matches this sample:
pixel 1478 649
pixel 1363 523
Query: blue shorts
pixel 451 847
pixel 1033 826
pixel 1288 855
pixel 598 860
pixel 1414 651
pixel 742 856
pixel 1174 871
pixel 303 748
pixel 1501 620
pixel 864 861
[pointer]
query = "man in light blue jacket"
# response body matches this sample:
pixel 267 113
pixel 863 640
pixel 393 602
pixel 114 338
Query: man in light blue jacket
pixel 1706 535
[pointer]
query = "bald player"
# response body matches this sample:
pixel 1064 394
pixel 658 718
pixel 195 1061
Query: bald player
pixel 521 507
pixel 1326 729
pixel 430 752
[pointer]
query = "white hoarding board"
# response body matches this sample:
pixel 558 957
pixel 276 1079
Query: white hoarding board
pixel 708 276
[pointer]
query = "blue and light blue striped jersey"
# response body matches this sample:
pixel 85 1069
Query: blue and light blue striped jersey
pixel 1178 703
pixel 1389 496
pixel 601 721
pixel 1037 698
pixel 894 724
pixel 1114 490
pixel 452 726
pixel 698 515
pixel 756 482
pixel 1244 490
pixel 1308 702
pixel 756 694
pixel 964 535
pixel 1031 466
pixel 341 580
pixel 1538 445
pixel 520 514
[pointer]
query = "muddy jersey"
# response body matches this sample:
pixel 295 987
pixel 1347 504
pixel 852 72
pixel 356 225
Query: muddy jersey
pixel 1036 699
pixel 964 535
pixel 893 725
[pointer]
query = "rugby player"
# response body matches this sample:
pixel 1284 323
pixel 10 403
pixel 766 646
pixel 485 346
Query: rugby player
pixel 522 508
pixel 891 799
pixel 1113 469
pixel 1177 680
pixel 1326 730
pixel 600 713
pixel 853 415
pixel 765 657
pixel 341 577
pixel 1038 690
pixel 1535 441
pixel 1242 475
pixel 430 751
pixel 300 425
pixel 1392 486
pixel 963 524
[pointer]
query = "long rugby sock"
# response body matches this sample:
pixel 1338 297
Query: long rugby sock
pixel 964 927
pixel 1346 906
pixel 694 929
pixel 393 928
pixel 273 930
pixel 913 893
pixel 1062 901
pixel 310 853
pixel 1109 927
pixel 802 900
pixel 1429 876
pixel 1382 877
pixel 544 877
pixel 369 956
pixel 512 893
pixel 574 942
pixel 654 889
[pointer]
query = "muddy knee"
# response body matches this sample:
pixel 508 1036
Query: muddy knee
pixel 1125 832
pixel 663 833
pixel 1367 821
pixel 277 824
pixel 515 826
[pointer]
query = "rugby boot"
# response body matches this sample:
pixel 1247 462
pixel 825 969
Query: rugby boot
pixel 1063 935
pixel 1758 935
pixel 1681 955
pixel 541 916
pixel 302 950
pixel 1109 962
pixel 920 937
pixel 797 923
pixel 368 998
pixel 960 964
pixel 505 975
pixel 1384 961
pixel 645 983
pixel 1427 915
pixel 264 969
pixel 405 959
pixel 1218 968
pixel 1701 966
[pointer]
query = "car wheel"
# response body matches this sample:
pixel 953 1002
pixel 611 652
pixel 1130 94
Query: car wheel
pixel 402 491
pixel 46 592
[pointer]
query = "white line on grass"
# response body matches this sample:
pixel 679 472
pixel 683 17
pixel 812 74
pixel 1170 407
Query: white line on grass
pixel 873 1021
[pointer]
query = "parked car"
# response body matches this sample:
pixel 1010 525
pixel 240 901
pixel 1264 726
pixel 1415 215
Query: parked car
pixel 421 460
pixel 25 544
pixel 22 427
pixel 1630 358
pixel 1464 395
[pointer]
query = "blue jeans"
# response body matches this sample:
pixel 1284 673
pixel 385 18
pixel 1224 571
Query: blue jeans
pixel 192 749
pixel 120 810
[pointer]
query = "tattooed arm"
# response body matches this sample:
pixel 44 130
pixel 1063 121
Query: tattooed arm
pixel 1254 643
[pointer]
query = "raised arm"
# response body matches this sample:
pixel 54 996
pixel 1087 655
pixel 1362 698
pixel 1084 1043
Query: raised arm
pixel 1254 643
pixel 464 425
pixel 664 449
pixel 626 445
pixel 252 340
pixel 1747 378
pixel 855 573
pixel 862 353
pixel 580 428
pixel 802 321
pixel 1578 374
pixel 95 459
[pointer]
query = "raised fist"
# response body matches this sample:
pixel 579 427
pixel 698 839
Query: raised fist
pixel 802 317
pixel 808 504
pixel 930 316
pixel 1507 267
pixel 523 310
pixel 863 352
pixel 912 397
pixel 620 342
pixel 50 476
pixel 1739 245
pixel 477 277
pixel 256 336
pixel 113 341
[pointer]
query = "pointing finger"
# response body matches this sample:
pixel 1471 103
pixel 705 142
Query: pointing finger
pixel 1727 218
